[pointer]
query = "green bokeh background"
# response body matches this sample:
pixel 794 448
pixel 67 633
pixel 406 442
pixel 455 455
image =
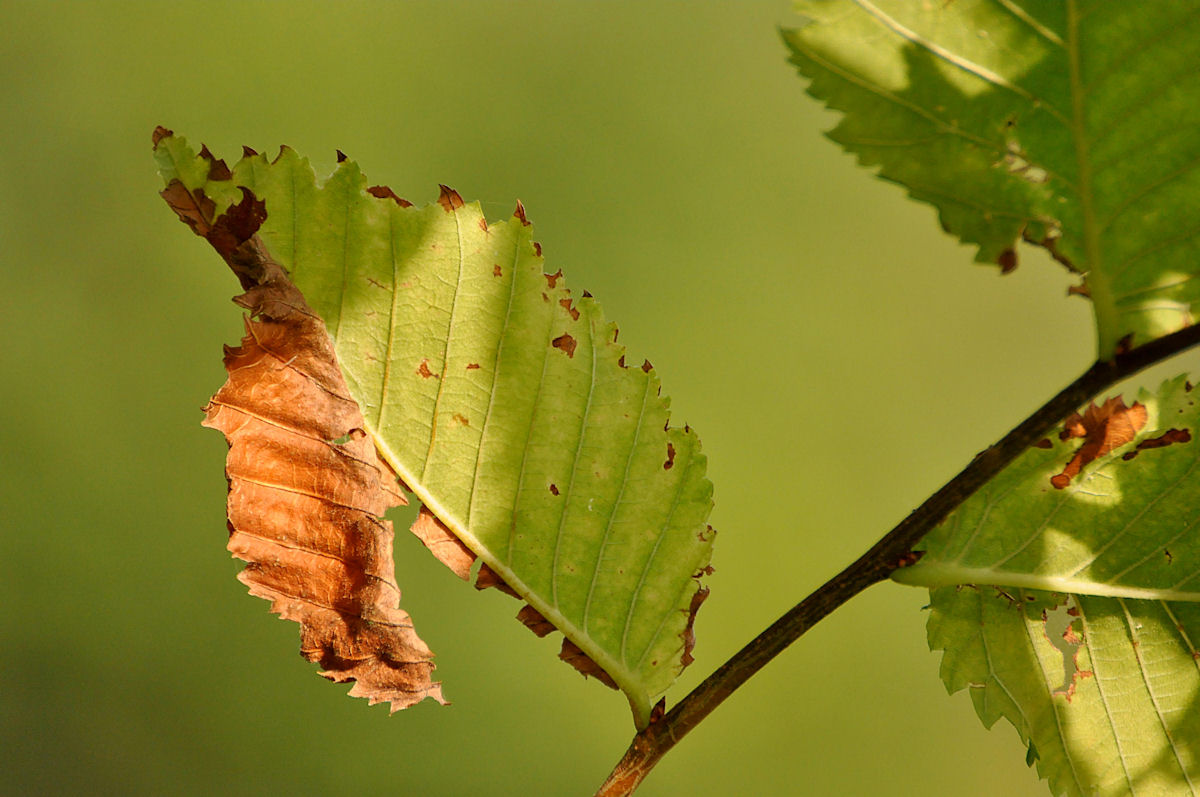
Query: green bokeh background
pixel 839 355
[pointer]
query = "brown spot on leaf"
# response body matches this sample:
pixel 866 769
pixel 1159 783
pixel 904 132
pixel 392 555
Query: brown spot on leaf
pixel 1080 290
pixel 1165 439
pixel 472 366
pixel 423 369
pixel 670 463
pixel 159 134
pixel 534 621
pixel 443 544
pixel 1103 429
pixel 554 489
pixel 587 294
pixel 1170 557
pixel 566 343
pixel 1007 260
pixel 383 192
pixel 621 362
pixel 377 284
pixel 572 655
pixel 566 305
pixel 341 156
pixel 496 272
pixel 1043 443
pixel 247 152
pixel 646 366
pixel 449 199
pixel 461 419
pixel 520 214
pixel 305 514
pixel 537 249
pixel 552 279
pixel 483 224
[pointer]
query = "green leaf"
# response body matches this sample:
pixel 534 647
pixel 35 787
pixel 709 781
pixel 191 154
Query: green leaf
pixel 1112 709
pixel 1125 526
pixel 501 399
pixel 1119 715
pixel 1065 123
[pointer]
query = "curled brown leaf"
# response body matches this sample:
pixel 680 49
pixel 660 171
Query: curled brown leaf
pixel 307 492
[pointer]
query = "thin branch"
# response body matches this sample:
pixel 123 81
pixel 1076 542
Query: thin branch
pixel 889 554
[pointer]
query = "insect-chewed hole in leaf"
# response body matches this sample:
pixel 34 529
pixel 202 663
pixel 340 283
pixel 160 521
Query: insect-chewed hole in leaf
pixel 1103 429
pixel 1061 626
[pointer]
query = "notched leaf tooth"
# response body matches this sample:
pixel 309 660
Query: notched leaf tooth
pixel 520 214
pixel 1007 261
pixel 449 199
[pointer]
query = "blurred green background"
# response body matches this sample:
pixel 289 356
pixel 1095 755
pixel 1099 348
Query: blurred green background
pixel 839 355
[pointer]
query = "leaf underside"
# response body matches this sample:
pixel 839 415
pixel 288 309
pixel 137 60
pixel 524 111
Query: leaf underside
pixel 502 400
pixel 1065 123
pixel 1112 537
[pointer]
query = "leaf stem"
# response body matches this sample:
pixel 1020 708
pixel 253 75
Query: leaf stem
pixel 893 551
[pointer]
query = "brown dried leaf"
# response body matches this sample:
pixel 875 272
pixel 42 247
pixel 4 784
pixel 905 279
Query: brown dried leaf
pixel 305 510
pixel 1103 428
pixel 443 544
